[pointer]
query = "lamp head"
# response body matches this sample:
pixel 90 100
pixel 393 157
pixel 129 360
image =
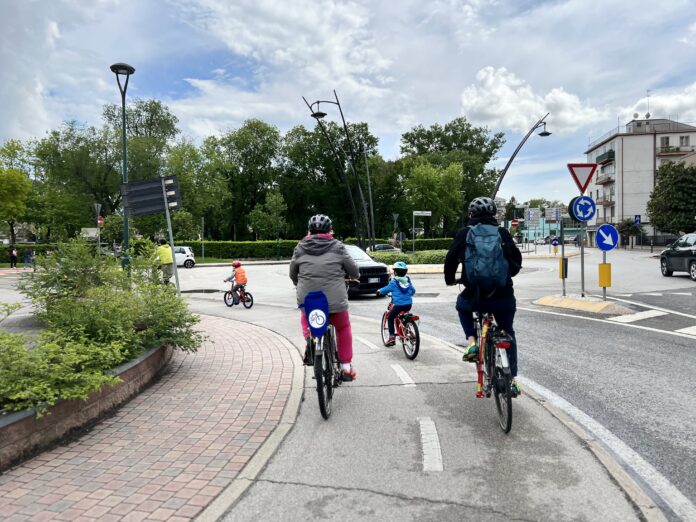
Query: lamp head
pixel 122 68
pixel 544 133
pixel 318 115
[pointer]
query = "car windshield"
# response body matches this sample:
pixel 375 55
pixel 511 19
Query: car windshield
pixel 357 254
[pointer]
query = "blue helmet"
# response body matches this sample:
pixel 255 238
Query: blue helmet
pixel 400 268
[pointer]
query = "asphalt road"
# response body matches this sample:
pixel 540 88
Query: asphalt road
pixel 635 379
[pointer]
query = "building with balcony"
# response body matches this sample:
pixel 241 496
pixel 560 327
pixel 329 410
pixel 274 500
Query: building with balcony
pixel 627 161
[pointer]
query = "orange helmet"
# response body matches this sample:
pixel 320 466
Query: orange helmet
pixel 236 264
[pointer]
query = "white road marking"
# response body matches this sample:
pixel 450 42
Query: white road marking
pixel 682 293
pixel 647 314
pixel 607 321
pixel 661 309
pixel 674 498
pixel 656 294
pixel 430 442
pixel 405 377
pixel 366 342
pixel 691 330
pixel 625 295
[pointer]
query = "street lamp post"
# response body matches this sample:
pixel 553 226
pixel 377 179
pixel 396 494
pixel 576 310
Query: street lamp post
pixel 318 115
pixel 126 70
pixel 544 133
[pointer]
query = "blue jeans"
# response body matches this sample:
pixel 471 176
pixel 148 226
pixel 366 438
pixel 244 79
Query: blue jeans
pixel 502 308
pixel 396 310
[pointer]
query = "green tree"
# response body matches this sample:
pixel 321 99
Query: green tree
pixel 15 188
pixel 184 226
pixel 628 227
pixel 268 219
pixel 113 228
pixel 672 204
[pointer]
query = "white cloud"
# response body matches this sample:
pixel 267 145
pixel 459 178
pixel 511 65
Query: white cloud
pixel 675 104
pixel 500 99
pixel 690 38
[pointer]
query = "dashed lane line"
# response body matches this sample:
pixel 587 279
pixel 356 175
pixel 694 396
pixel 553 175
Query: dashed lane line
pixel 669 493
pixel 652 307
pixel 406 379
pixel 366 342
pixel 682 293
pixel 630 318
pixel 430 442
pixel 691 330
pixel 654 294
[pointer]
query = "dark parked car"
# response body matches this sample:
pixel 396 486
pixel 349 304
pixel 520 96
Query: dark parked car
pixel 680 256
pixel 373 275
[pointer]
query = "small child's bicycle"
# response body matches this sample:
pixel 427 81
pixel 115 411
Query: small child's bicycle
pixel 242 296
pixel 406 329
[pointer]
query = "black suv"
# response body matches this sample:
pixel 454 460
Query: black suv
pixel 680 256
pixel 373 275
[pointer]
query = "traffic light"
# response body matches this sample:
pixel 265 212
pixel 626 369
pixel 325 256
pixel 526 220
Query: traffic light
pixel 100 221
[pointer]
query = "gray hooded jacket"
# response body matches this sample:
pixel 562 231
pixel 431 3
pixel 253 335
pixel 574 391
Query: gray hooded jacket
pixel 321 262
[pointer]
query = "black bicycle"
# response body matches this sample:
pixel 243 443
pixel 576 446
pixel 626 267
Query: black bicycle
pixel 327 369
pixel 493 367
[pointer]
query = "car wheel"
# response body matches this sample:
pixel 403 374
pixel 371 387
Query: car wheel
pixel 189 263
pixel 692 270
pixel 663 267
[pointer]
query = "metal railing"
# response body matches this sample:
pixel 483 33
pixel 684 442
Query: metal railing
pixel 605 178
pixel 674 149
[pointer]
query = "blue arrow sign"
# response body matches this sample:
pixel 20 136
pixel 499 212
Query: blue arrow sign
pixel 584 208
pixel 607 237
pixel 636 219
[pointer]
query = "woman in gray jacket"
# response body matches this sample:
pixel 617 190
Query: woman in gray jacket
pixel 321 262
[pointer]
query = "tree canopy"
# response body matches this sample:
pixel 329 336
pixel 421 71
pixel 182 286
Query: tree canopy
pixel 672 204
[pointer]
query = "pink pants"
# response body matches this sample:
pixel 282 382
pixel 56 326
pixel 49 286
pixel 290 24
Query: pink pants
pixel 344 334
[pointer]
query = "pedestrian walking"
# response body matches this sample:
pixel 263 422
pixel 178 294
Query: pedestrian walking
pixel 28 255
pixel 13 256
pixel 166 259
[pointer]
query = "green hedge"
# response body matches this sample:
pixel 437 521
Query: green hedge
pixel 424 257
pixel 38 249
pixel 421 244
pixel 242 249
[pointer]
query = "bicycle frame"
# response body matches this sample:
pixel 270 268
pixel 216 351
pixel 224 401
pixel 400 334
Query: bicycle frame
pixel 490 353
pixel 398 321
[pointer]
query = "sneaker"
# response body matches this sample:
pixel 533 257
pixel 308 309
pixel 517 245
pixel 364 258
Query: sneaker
pixel 471 353
pixel 515 388
pixel 391 341
pixel 307 359
pixel 348 375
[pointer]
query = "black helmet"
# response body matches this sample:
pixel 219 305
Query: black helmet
pixel 319 223
pixel 482 207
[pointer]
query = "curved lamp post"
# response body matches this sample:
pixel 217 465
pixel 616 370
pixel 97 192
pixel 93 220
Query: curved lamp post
pixel 544 133
pixel 318 115
pixel 123 69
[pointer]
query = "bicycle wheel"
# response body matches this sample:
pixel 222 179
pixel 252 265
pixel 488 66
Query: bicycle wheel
pixel 228 298
pixel 323 372
pixel 503 398
pixel 385 328
pixel 411 340
pixel 248 300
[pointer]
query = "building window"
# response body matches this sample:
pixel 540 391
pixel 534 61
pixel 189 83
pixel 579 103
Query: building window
pixel 683 141
pixel 664 141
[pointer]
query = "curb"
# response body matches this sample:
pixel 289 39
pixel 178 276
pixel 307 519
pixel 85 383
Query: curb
pixel 247 475
pixel 634 492
pixel 583 305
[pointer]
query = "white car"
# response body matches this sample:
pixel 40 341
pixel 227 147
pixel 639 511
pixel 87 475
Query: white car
pixel 184 256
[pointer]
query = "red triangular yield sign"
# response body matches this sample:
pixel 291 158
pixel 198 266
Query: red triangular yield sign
pixel 582 174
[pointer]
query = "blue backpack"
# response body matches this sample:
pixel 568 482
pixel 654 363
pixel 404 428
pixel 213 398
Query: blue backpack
pixel 484 262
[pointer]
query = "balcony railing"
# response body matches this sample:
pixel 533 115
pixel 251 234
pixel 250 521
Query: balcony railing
pixel 606 201
pixel 673 149
pixel 605 178
pixel 606 157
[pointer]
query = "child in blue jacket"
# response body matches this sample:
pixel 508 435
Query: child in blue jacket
pixel 402 290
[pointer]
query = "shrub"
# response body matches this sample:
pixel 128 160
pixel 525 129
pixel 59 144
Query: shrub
pixel 98 316
pixel 243 249
pixel 424 257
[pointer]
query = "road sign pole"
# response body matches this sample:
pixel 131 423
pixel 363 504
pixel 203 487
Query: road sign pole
pixel 203 238
pixel 563 261
pixel 582 259
pixel 413 234
pixel 171 236
pixel 604 288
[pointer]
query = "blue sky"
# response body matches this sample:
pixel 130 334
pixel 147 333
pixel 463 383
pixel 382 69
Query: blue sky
pixel 500 63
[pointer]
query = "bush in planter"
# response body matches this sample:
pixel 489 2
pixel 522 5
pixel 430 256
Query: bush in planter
pixel 98 316
pixel 424 257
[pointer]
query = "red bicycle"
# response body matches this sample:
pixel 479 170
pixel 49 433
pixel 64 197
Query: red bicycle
pixel 406 329
pixel 242 296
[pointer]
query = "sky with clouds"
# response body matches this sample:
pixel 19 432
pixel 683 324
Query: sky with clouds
pixel 394 64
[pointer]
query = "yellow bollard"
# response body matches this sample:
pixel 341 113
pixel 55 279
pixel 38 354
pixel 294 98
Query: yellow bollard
pixel 604 275
pixel 563 268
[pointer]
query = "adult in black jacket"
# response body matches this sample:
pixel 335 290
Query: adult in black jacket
pixel 500 301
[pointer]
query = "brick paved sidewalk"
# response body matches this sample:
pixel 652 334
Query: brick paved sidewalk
pixel 170 451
